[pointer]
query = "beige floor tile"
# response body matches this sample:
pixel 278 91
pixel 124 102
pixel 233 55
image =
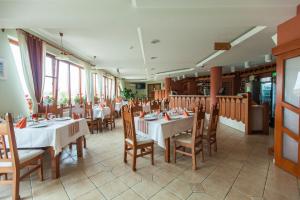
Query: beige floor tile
pixel 200 196
pixel 241 169
pixel 79 188
pixel 129 195
pixel 131 178
pixel 102 178
pixel 165 195
pixel 180 188
pixel 113 189
pixel 237 195
pixel 92 195
pixel 146 188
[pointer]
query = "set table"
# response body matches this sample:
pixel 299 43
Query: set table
pixel 161 130
pixel 54 135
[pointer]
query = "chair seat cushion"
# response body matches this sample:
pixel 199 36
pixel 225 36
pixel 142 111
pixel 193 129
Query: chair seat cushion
pixel 184 138
pixel 24 155
pixel 140 140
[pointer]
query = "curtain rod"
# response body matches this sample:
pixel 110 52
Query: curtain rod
pixel 57 47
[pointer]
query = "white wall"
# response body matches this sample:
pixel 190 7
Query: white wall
pixel 12 97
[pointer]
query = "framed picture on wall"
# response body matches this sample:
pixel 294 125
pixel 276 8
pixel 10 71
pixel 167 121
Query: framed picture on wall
pixel 2 70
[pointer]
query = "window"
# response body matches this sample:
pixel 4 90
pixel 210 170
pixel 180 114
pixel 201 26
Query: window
pixel 74 82
pixel 17 57
pixel 64 81
pixel 50 76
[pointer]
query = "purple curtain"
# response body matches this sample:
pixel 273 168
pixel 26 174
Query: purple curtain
pixel 35 50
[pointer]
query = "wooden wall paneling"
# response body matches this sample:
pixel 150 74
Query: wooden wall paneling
pixel 238 109
pixel 227 107
pixel 232 108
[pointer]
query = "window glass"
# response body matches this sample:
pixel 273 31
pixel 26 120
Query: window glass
pixel 63 83
pixel 75 82
pixel 17 57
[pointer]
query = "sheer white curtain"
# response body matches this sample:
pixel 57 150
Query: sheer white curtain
pixel 89 85
pixel 27 69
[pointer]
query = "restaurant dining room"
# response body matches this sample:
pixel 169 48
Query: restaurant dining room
pixel 150 99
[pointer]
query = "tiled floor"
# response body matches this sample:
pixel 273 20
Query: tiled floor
pixel 240 170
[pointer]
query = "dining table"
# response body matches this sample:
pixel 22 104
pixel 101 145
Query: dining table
pixel 98 113
pixel 161 130
pixel 53 135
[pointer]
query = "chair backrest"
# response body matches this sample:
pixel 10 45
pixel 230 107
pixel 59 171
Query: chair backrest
pixel 213 119
pixel 88 110
pixel 128 123
pixel 7 139
pixel 53 109
pixel 154 105
pixel 166 104
pixel 198 124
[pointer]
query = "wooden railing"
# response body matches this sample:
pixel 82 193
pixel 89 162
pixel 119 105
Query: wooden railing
pixel 160 94
pixel 233 107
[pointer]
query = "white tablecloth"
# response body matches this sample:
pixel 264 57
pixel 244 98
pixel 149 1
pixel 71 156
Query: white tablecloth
pixel 55 135
pixel 101 113
pixel 161 129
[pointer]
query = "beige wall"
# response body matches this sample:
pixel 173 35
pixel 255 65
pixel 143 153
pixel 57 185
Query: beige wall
pixel 141 93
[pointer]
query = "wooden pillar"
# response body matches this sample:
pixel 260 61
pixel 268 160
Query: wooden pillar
pixel 167 86
pixel 215 83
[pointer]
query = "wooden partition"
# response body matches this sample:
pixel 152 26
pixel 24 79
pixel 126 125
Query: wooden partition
pixel 160 94
pixel 233 107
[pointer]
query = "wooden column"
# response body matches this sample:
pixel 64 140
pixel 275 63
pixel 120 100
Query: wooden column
pixel 167 87
pixel 215 84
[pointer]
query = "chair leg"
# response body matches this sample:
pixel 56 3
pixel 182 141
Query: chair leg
pixel 174 153
pixel 194 159
pixel 41 171
pixel 70 147
pixel 134 159
pixel 125 153
pixel 16 186
pixel 209 148
pixel 216 147
pixel 152 154
pixel 202 149
pixel 84 142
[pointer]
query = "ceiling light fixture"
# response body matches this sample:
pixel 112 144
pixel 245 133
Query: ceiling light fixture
pixel 153 57
pixel 232 69
pixel 246 65
pixel 196 74
pixel 268 58
pixel 274 38
pixel 139 31
pixel 155 41
pixel 235 42
pixel 183 76
pixel 63 55
pixel 175 71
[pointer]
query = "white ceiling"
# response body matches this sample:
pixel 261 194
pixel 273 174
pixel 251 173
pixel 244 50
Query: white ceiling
pixel 187 30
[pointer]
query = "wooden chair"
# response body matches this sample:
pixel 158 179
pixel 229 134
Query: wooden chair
pixel 89 116
pixel 13 160
pixel 194 141
pixel 210 134
pixel 133 142
pixel 110 119
pixel 154 106
pixel 54 110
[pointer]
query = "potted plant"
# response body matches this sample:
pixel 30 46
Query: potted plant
pixel 127 94
pixel 48 100
pixel 77 99
pixel 63 99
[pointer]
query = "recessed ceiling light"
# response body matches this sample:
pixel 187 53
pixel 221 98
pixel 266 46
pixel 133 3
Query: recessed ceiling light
pixel 152 68
pixel 153 57
pixel 131 47
pixel 155 41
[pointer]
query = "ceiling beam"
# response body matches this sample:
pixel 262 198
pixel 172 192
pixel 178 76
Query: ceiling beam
pixel 139 31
